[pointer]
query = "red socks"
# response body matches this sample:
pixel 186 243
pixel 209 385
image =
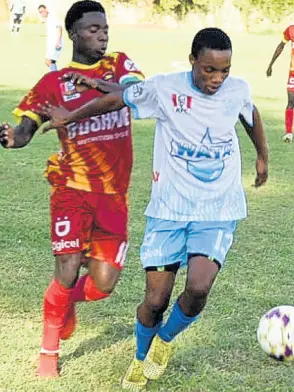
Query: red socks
pixel 57 300
pixel 85 290
pixel 289 120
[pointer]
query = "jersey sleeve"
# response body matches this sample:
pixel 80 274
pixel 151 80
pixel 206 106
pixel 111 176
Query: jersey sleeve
pixel 143 99
pixel 39 94
pixel 247 109
pixel 288 34
pixel 127 71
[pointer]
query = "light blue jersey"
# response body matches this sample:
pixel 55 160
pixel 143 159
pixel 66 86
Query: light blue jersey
pixel 196 163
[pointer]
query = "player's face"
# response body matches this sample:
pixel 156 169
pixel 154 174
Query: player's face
pixel 90 35
pixel 43 12
pixel 210 69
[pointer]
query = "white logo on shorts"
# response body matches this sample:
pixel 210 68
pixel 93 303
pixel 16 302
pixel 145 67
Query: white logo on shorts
pixel 60 245
pixel 62 227
pixel 122 253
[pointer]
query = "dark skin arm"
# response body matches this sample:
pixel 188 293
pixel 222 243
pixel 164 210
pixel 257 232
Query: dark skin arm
pixel 83 83
pixel 60 116
pixel 257 136
pixel 18 136
pixel 277 53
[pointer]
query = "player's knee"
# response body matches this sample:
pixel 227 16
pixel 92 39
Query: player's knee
pixel 157 304
pixel 291 102
pixel 105 285
pixel 196 295
pixel 67 268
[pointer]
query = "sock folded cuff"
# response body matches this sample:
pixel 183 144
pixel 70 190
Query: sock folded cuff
pixel 147 331
pixel 185 319
pixel 57 294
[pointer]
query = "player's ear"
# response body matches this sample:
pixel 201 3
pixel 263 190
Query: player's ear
pixel 72 35
pixel 192 60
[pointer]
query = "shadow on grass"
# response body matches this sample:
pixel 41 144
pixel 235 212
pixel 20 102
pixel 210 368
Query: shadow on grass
pixel 113 334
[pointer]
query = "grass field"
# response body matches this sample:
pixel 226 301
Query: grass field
pixel 220 353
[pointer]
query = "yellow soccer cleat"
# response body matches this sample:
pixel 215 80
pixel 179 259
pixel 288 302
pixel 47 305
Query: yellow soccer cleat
pixel 134 380
pixel 157 358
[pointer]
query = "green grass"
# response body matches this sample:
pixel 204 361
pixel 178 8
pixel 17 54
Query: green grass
pixel 218 354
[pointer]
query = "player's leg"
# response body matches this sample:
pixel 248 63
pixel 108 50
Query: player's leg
pixel 289 113
pixel 70 226
pixel 207 246
pixel 108 246
pixel 14 25
pixel 19 20
pixel 159 286
pixel 162 250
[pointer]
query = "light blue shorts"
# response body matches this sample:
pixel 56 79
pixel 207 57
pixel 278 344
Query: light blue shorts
pixel 167 242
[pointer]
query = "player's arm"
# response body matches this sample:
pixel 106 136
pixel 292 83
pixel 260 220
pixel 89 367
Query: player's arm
pixel 141 97
pixel 60 116
pixel 256 133
pixel 59 36
pixel 83 83
pixel 18 136
pixel 277 53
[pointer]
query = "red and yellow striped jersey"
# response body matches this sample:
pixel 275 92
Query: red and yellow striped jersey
pixel 288 35
pixel 96 152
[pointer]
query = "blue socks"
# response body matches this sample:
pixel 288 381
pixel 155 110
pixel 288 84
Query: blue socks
pixel 176 323
pixel 144 336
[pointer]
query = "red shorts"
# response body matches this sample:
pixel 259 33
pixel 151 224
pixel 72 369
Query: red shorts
pixel 290 84
pixel 89 222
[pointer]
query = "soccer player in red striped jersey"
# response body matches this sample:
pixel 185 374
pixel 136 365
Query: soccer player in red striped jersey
pixel 288 36
pixel 89 178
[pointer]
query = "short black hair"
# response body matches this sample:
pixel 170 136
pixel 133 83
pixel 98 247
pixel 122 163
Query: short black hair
pixel 210 38
pixel 42 6
pixel 78 9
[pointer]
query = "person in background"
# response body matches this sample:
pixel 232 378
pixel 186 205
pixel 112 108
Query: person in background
pixel 54 37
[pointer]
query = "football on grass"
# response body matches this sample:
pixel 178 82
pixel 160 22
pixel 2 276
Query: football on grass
pixel 275 333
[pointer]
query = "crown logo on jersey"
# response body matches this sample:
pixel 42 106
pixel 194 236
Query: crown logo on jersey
pixel 206 160
pixel 182 103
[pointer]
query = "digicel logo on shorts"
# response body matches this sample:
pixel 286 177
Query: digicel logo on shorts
pixel 60 245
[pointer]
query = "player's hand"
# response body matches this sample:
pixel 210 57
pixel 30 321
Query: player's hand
pixel 6 135
pixel 58 46
pixel 48 62
pixel 261 172
pixel 59 116
pixel 81 82
pixel 269 72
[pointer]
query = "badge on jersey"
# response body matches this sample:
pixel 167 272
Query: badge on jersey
pixel 65 88
pixel 182 103
pixel 130 65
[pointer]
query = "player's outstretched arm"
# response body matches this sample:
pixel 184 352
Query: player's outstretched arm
pixel 256 134
pixel 83 83
pixel 18 136
pixel 59 116
pixel 277 53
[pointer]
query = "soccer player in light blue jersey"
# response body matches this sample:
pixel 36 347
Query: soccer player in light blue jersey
pixel 197 195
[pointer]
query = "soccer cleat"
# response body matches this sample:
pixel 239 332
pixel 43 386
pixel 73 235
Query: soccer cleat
pixel 69 324
pixel 288 137
pixel 47 366
pixel 157 358
pixel 134 380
